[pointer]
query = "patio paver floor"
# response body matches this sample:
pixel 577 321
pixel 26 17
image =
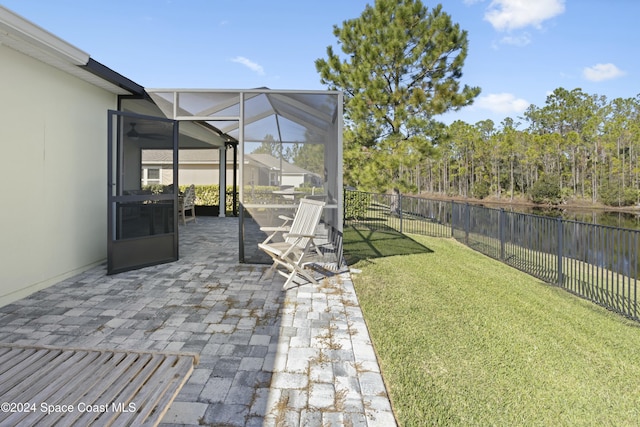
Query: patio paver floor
pixel 300 357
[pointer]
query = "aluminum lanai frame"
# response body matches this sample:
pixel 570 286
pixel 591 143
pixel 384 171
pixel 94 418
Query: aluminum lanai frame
pixel 290 116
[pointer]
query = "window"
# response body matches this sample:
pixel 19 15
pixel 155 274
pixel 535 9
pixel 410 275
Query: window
pixel 151 176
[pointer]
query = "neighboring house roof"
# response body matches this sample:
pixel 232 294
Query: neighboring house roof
pixel 199 156
pixel 273 163
pixel 157 157
pixel 196 157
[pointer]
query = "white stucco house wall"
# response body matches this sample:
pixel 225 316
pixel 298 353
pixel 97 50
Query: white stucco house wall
pixel 53 127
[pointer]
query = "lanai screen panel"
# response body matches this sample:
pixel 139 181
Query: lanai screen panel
pixel 290 147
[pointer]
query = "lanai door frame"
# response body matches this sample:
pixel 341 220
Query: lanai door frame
pixel 142 226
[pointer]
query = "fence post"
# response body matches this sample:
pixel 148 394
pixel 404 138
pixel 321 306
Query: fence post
pixel 635 274
pixel 467 223
pixel 452 218
pixel 501 233
pixel 400 210
pixel 560 243
pixel 344 208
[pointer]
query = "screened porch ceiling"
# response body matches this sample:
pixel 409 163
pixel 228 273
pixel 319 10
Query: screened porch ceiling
pixel 276 115
pixel 192 134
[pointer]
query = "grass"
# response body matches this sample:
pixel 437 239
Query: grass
pixel 601 284
pixel 364 244
pixel 465 340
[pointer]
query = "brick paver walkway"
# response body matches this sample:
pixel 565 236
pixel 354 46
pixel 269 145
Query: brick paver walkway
pixel 300 357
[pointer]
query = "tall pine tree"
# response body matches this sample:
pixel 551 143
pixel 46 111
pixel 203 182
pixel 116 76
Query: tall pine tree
pixel 400 67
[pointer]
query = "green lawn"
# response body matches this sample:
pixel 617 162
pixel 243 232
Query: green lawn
pixel 465 340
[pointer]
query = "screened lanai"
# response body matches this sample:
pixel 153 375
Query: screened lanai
pixel 289 148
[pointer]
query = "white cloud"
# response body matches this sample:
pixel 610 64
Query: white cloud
pixel 249 64
pixel 601 72
pixel 504 103
pixel 514 14
pixel 521 40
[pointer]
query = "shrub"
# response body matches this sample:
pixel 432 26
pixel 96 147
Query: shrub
pixel 480 189
pixel 206 195
pixel 612 195
pixel 546 190
pixel 209 195
pixel 259 194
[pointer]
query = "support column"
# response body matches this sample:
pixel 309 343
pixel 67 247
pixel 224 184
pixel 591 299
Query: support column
pixel 223 181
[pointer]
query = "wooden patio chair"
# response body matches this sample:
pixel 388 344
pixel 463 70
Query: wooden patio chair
pixel 285 227
pixel 187 202
pixel 298 240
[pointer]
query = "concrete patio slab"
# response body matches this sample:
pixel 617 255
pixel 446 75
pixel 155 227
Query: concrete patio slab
pixel 267 356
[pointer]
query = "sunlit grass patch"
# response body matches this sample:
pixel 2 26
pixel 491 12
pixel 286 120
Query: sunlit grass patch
pixel 465 340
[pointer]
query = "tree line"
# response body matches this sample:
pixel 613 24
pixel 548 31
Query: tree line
pixel 575 146
pixel 399 67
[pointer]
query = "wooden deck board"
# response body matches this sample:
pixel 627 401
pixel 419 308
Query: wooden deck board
pixel 100 387
pixel 30 372
pixel 12 356
pixel 105 384
pixel 127 386
pixel 152 400
pixel 64 389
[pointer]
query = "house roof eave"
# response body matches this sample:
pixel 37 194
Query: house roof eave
pixel 32 40
pixel 113 77
pixel 20 28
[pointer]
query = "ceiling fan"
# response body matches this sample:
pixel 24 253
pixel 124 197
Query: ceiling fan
pixel 134 134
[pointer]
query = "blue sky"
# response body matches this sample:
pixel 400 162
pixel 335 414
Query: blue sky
pixel 519 50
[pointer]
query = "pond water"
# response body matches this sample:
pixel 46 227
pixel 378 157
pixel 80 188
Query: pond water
pixel 593 216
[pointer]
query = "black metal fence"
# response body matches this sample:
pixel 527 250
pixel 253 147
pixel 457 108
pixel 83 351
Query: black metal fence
pixel 595 262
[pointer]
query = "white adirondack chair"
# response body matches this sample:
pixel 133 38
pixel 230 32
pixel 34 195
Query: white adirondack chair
pixel 186 203
pixel 298 240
